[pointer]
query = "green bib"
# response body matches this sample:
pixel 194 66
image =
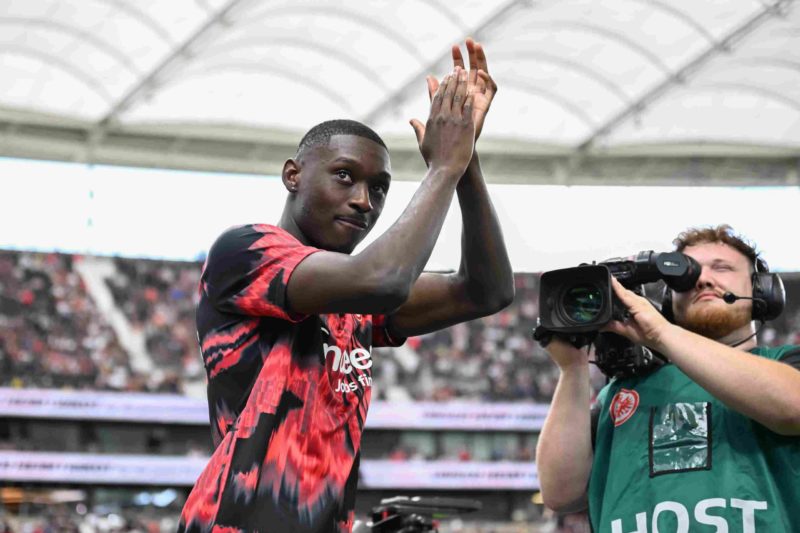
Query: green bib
pixel 670 458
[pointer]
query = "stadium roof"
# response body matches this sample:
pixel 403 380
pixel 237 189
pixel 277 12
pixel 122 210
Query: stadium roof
pixel 631 91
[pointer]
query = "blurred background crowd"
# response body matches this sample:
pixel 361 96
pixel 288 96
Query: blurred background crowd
pixel 53 334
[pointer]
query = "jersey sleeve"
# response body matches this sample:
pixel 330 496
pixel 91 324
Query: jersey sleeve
pixel 248 270
pixel 380 333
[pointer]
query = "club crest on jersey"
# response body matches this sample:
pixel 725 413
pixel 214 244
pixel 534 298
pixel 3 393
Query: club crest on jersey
pixel 623 406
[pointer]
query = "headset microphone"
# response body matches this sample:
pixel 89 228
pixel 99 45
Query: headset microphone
pixel 729 297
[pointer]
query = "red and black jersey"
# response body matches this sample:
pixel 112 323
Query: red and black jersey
pixel 287 394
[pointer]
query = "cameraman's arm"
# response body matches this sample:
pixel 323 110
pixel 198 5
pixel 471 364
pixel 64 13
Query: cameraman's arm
pixel 564 451
pixel 762 389
pixel 759 388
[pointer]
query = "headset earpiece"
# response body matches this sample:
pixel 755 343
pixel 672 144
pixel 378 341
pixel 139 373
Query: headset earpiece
pixel 769 294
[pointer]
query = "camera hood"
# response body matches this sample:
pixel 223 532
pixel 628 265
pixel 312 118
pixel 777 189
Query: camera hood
pixel 576 300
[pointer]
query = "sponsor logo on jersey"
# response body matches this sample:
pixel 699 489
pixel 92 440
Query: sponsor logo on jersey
pixel 344 362
pixel 623 406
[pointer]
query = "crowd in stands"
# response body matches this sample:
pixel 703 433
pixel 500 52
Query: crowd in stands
pixel 159 299
pixel 492 359
pixel 51 335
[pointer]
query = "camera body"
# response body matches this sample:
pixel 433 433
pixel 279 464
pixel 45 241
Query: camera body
pixel 581 299
pixel 575 303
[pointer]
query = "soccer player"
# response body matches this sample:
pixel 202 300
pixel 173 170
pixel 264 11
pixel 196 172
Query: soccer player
pixel 288 314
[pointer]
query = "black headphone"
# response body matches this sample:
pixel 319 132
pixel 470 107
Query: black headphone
pixel 769 295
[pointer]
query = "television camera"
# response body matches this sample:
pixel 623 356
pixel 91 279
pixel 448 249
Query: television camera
pixel 575 303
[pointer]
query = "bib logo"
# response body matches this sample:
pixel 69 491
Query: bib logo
pixel 344 362
pixel 623 406
pixel 709 512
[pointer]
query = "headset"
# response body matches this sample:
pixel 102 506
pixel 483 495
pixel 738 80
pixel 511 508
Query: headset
pixel 769 294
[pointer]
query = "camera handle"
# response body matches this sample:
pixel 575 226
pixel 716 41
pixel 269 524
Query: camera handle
pixel 543 336
pixel 417 514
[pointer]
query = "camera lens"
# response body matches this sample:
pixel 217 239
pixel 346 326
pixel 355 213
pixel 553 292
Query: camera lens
pixel 582 303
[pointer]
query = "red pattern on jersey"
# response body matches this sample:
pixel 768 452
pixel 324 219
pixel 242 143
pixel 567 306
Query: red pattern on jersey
pixel 232 359
pixel 288 394
pixel 313 440
pixel 253 301
pixel 218 343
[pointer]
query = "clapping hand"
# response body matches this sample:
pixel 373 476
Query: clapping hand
pixel 479 84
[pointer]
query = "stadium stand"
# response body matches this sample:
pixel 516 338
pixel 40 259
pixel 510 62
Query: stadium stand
pixel 55 333
pixel 54 336
pixel 159 298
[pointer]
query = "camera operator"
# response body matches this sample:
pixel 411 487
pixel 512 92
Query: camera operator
pixel 712 439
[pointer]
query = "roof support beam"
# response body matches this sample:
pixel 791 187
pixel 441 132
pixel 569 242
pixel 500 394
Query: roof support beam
pixel 298 9
pixel 292 41
pixel 413 81
pixel 263 152
pixel 104 47
pixel 757 90
pixel 604 33
pixel 568 64
pixel 553 97
pixel 311 82
pixel 55 61
pixel 144 84
pixel 143 17
pixel 691 67
pixel 680 15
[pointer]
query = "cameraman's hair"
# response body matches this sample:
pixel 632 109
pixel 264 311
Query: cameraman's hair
pixel 322 133
pixel 720 234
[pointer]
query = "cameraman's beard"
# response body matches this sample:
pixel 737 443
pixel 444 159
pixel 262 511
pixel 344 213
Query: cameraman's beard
pixel 714 321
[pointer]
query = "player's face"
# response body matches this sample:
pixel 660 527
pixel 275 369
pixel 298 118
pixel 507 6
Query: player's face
pixel 342 190
pixel 702 309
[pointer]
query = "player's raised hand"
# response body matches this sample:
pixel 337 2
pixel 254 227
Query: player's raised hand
pixel 480 83
pixel 446 141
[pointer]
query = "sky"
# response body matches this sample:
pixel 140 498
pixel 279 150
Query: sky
pixel 156 213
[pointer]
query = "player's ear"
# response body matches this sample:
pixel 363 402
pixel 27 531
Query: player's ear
pixel 290 175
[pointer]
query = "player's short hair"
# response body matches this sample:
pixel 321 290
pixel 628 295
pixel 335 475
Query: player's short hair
pixel 719 234
pixel 322 133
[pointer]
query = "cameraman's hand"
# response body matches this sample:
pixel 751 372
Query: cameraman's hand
pixel 645 325
pixel 565 355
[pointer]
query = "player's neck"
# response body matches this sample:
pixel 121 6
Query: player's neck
pixel 287 223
